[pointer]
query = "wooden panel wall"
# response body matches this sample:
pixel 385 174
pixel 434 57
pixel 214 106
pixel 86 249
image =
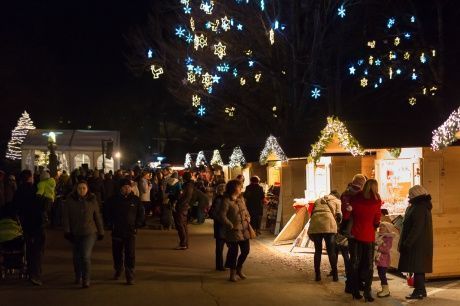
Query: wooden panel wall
pixel 444 181
pixel 293 178
pixel 343 169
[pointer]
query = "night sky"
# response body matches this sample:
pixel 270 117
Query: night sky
pixel 64 63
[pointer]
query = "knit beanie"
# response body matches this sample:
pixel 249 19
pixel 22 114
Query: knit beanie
pixel 416 191
pixel 359 180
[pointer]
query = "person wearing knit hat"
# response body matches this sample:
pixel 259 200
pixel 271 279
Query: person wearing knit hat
pixel 416 241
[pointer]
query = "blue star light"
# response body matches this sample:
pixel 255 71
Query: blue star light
pixel 391 23
pixel 150 53
pixel 376 85
pixel 423 58
pixel 352 69
pixel 187 10
pixel 398 71
pixel 188 60
pixel 190 67
pixel 341 11
pixel 215 79
pixel 239 27
pixel 377 62
pixel 202 111
pixel 316 93
pixel 251 63
pixel 235 72
pixel 414 76
pixel 360 62
pixel 198 70
pixel 208 25
pixel 407 35
pixel 180 31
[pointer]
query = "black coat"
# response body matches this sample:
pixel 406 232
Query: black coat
pixel 219 229
pixel 126 215
pixel 416 241
pixel 254 196
pixel 30 208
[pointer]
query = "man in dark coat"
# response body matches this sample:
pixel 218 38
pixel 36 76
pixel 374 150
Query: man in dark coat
pixel 126 216
pixel 31 212
pixel 416 241
pixel 182 209
pixel 254 196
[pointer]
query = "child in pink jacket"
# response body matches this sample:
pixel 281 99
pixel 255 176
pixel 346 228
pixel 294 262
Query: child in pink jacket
pixel 384 243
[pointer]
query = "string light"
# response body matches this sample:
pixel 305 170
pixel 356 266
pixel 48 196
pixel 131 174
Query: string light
pixel 200 159
pixel 188 161
pixel 216 158
pixel 237 158
pixel 18 134
pixel 271 147
pixel 446 133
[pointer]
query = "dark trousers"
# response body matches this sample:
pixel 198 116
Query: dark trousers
pixel 362 265
pixel 256 221
pixel 329 238
pixel 345 251
pixel 124 254
pixel 180 221
pixel 383 275
pixel 82 250
pixel 220 253
pixel 233 260
pixel 147 207
pixel 35 249
pixel 419 283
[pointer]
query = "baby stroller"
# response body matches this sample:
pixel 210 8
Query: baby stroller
pixel 12 249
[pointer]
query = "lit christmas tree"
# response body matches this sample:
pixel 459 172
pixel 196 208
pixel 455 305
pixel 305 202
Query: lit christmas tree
pixel 271 147
pixel 200 159
pixel 188 161
pixel 217 159
pixel 237 158
pixel 18 135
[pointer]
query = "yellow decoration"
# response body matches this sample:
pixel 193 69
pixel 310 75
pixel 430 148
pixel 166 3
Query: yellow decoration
pixel 363 82
pixel 215 26
pixel 196 100
pixel 424 90
pixel 371 60
pixel 433 90
pixel 272 36
pixel 371 44
pixel 257 77
pixel 191 77
pixel 206 80
pixel 412 101
pixel 219 50
pixel 200 41
pixel 392 55
pixel 156 71
pixel 192 24
pixel 406 55
pixel 433 53
pixel 230 111
pixel 390 73
pixel 248 52
pixel 225 23
pixel 397 41
pixel 243 81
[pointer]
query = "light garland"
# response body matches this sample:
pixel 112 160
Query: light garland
pixel 217 159
pixel 271 146
pixel 237 158
pixel 18 134
pixel 346 140
pixel 200 159
pixel 445 134
pixel 188 161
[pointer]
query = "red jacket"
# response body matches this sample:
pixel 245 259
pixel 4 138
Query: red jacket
pixel 366 218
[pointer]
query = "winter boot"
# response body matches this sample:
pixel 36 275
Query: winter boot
pixel 335 275
pixel 232 275
pixel 317 276
pixel 385 292
pixel 239 272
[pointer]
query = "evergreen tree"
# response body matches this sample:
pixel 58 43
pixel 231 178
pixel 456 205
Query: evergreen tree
pixel 18 135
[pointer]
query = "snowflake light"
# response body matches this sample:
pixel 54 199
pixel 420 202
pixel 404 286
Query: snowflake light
pixel 206 79
pixel 224 67
pixel 180 31
pixel 156 71
pixel 201 111
pixel 271 147
pixel 445 134
pixel 187 10
pixel 200 159
pixel 216 158
pixel 189 38
pixel 315 93
pixel 341 11
pixel 346 140
pixel 219 50
pixel 237 158
pixel 196 100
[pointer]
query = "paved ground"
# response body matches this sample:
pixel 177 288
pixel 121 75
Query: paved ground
pixel 168 277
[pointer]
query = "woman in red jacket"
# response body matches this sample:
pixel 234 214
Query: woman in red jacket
pixel 366 218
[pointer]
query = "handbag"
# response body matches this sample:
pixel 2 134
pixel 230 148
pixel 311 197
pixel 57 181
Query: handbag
pixel 252 232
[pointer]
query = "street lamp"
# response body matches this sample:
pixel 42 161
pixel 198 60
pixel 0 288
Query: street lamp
pixel 118 155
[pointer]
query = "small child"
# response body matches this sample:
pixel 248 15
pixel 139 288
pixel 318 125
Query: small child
pixel 384 243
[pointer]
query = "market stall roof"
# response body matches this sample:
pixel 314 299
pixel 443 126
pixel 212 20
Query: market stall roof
pixel 272 151
pixel 448 132
pixel 70 139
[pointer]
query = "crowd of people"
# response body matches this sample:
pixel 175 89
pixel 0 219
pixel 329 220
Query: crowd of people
pixel 353 224
pixel 86 203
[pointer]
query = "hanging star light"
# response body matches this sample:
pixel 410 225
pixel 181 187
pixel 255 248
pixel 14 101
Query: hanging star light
pixel 192 24
pixel 200 41
pixel 392 55
pixel 220 50
pixel 207 7
pixel 206 79
pixel 377 62
pixel 397 41
pixel 371 44
pixel 371 60
pixel 406 56
pixel 391 22
pixel 237 158
pixel 156 71
pixel 341 11
pixel 198 70
pixel 216 159
pixel 446 133
pixel 239 27
pixel 196 100
pixel 315 93
pixel 201 111
pixel 414 75
pixel 271 147
pixel 215 79
pixel 150 53
pixel 225 23
pixel 214 25
pixel 191 77
pixel 423 58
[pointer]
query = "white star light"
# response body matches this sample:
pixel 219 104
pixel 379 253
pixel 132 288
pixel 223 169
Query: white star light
pixel 156 72
pixel 207 7
pixel 377 62
pixel 239 27
pixel 315 93
pixel 198 70
pixel 341 11
pixel 225 23
pixel 150 53
pixel 219 50
pixel 352 69
pixel 215 79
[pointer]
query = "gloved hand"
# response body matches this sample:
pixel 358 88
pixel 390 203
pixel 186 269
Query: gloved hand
pixel 100 237
pixel 69 237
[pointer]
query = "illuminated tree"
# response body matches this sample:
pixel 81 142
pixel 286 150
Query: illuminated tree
pixel 18 134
